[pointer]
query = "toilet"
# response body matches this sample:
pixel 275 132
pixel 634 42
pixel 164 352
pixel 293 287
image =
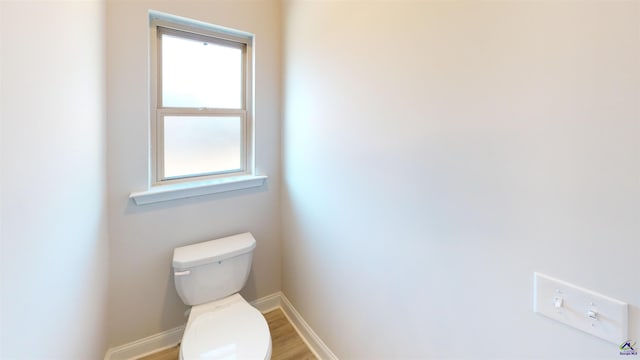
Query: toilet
pixel 221 324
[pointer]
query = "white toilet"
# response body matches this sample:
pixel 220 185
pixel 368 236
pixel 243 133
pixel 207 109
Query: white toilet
pixel 221 325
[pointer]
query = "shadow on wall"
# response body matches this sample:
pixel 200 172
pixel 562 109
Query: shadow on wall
pixel 171 302
pixel 634 326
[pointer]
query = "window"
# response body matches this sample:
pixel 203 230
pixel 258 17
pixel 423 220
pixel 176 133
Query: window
pixel 201 102
pixel 201 110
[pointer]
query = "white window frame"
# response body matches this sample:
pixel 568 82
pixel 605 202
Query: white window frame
pixel 169 188
pixel 159 111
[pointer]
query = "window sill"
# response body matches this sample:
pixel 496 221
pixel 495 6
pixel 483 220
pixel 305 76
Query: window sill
pixel 196 188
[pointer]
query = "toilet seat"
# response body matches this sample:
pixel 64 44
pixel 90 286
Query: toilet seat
pixel 229 328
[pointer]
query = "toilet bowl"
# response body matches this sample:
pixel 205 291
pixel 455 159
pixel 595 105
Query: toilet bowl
pixel 226 329
pixel 221 324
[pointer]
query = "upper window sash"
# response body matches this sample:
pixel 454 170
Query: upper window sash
pixel 207 39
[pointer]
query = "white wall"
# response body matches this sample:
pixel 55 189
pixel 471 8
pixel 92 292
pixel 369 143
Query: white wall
pixel 437 153
pixel 142 296
pixel 54 242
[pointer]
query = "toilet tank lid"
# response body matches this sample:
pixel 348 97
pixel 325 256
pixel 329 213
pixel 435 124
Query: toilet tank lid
pixel 213 250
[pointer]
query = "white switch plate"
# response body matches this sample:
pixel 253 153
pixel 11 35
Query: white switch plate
pixel 572 305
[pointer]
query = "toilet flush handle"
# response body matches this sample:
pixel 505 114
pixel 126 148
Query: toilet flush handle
pixel 181 273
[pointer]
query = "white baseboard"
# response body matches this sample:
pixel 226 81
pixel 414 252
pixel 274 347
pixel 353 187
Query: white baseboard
pixel 146 346
pixel 172 337
pixel 269 302
pixel 313 341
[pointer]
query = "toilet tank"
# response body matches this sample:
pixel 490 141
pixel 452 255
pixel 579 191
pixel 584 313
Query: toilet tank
pixel 213 269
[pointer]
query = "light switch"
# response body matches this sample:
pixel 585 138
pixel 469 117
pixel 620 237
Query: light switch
pixel 580 308
pixel 558 302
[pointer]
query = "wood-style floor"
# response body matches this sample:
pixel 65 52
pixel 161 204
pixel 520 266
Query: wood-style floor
pixel 286 344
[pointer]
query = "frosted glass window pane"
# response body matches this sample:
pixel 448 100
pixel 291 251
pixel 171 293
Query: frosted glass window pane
pixel 201 144
pixel 200 74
